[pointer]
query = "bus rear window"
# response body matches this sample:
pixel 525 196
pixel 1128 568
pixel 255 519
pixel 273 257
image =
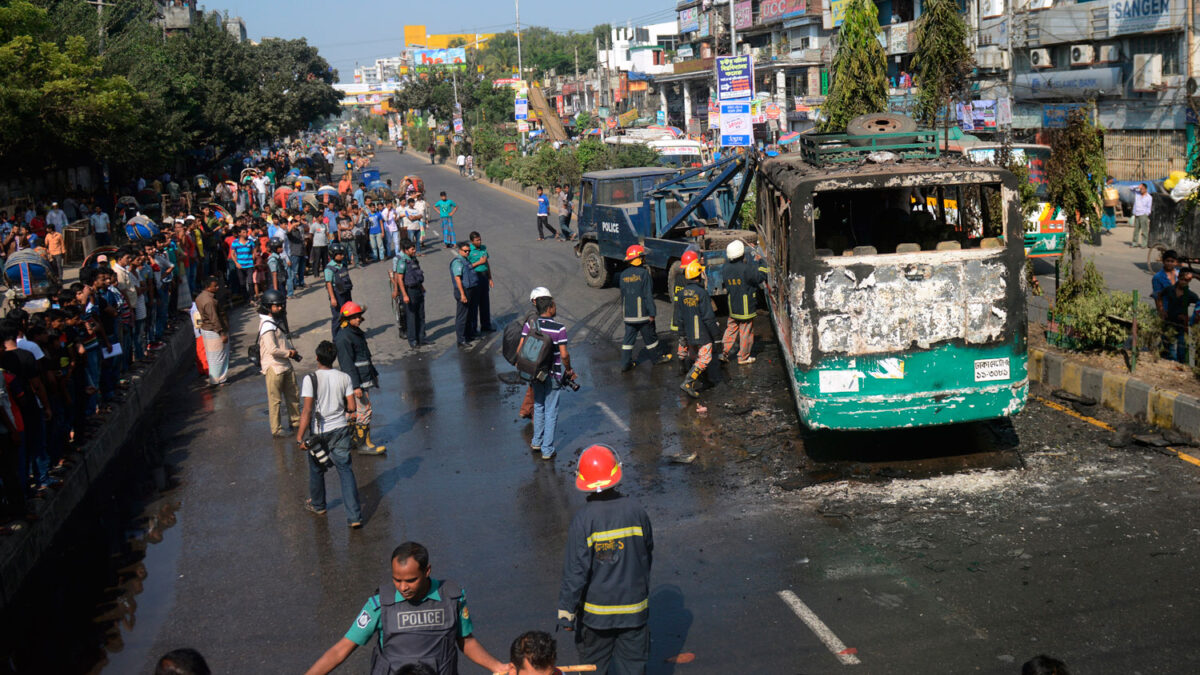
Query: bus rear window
pixel 907 220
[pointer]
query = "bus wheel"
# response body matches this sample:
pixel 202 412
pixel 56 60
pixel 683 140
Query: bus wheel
pixel 595 267
pixel 1154 257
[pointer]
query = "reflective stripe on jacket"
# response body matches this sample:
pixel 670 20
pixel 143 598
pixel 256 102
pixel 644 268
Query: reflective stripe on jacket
pixel 606 573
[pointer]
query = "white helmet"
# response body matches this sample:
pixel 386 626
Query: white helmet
pixel 735 249
pixel 539 292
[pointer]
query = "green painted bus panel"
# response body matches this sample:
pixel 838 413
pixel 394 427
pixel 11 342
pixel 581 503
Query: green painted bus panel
pixel 944 385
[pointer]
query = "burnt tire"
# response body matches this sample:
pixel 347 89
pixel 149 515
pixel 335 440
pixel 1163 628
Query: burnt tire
pixel 595 268
pixel 861 128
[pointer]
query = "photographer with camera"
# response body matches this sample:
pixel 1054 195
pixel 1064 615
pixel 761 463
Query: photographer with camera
pixel 324 432
pixel 547 389
pixel 275 356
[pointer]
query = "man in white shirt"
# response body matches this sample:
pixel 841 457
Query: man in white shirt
pixel 260 189
pixel 413 223
pixel 56 218
pixel 1142 205
pixel 391 229
pixel 462 164
pixel 327 398
pixel 99 221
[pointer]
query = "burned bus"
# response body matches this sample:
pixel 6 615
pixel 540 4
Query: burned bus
pixel 893 310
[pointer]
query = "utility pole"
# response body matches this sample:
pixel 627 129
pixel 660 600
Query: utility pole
pixel 1010 20
pixel 100 5
pixel 732 32
pixel 520 65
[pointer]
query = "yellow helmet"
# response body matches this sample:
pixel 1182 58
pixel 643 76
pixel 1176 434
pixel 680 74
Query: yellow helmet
pixel 693 270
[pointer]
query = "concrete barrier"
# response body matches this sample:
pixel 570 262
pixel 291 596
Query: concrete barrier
pixel 1117 391
pixel 20 552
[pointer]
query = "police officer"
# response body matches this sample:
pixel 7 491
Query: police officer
pixel 337 282
pixel 677 283
pixel 699 325
pixel 413 618
pixel 408 286
pixel 463 280
pixel 277 267
pixel 637 296
pixel 742 279
pixel 605 593
pixel 354 359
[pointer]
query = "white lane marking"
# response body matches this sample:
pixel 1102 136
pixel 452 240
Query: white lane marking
pixel 831 641
pixel 613 416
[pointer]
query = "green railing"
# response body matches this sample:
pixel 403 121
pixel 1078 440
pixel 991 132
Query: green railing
pixel 820 149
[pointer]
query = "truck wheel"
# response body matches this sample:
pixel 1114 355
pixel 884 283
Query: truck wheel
pixel 595 267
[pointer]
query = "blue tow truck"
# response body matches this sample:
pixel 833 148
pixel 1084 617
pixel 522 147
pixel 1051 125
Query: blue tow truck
pixel 667 213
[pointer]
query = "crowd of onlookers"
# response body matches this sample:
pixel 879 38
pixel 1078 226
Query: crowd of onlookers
pixel 65 367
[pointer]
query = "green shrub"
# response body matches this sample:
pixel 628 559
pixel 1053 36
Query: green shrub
pixel 1091 317
pixel 498 169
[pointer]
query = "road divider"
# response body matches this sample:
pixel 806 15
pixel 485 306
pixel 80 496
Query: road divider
pixel 847 655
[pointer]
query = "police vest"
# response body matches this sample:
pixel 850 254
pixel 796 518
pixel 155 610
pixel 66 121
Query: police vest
pixel 422 633
pixel 470 278
pixel 342 285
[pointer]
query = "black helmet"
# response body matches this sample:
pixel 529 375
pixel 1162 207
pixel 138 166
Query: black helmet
pixel 273 297
pixel 276 245
pixel 336 248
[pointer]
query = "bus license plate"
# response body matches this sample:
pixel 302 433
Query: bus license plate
pixel 990 370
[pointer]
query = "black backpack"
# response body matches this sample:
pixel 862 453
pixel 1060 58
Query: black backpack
pixel 536 354
pixel 512 337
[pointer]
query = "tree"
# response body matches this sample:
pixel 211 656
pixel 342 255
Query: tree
pixel 1076 172
pixel 942 61
pixel 859 82
pixel 56 106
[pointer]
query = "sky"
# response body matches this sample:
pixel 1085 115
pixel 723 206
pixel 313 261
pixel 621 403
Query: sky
pixel 349 31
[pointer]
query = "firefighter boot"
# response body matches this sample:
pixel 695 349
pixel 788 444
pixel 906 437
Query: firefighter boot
pixel 664 357
pixel 689 383
pixel 365 446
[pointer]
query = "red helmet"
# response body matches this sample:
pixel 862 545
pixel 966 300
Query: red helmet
pixel 635 251
pixel 352 309
pixel 599 469
pixel 687 257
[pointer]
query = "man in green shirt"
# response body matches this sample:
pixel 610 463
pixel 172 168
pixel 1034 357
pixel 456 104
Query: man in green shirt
pixel 479 260
pixel 426 621
pixel 446 209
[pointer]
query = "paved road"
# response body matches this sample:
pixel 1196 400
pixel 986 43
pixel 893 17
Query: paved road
pixel 967 549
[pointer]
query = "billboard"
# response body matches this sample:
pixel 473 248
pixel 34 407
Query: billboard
pixel 689 20
pixel 737 127
pixel 743 14
pixel 772 10
pixel 425 59
pixel 735 77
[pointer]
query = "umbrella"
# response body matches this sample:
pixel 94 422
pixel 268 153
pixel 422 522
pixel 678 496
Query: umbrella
pixel 327 190
pixel 789 138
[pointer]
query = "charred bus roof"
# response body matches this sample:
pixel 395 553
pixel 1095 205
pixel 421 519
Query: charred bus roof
pixel 793 173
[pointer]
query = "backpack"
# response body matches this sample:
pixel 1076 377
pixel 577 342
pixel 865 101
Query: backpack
pixel 254 352
pixel 535 355
pixel 512 337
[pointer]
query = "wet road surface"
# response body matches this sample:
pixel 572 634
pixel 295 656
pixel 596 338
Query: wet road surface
pixel 968 549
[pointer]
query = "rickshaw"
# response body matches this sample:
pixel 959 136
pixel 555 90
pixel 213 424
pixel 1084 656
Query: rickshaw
pixel 93 258
pixel 32 280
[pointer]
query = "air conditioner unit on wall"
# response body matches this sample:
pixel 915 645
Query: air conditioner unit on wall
pixel 992 58
pixel 1108 54
pixel 1147 72
pixel 1040 4
pixel 1040 58
pixel 1082 55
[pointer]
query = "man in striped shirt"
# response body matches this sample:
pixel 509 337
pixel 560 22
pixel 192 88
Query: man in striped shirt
pixel 242 252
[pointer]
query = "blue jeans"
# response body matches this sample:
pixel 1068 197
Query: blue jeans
pixel 296 274
pixel 1175 342
pixel 91 370
pixel 377 248
pixel 338 441
pixel 545 414
pixel 394 242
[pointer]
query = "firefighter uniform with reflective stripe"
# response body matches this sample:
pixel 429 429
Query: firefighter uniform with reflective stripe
pixel 700 329
pixel 605 591
pixel 681 348
pixel 742 279
pixel 637 297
